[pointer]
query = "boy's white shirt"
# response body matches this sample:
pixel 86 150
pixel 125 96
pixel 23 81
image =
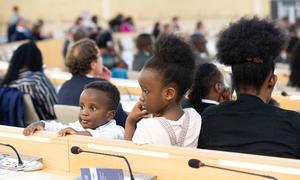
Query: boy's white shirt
pixel 150 131
pixel 109 130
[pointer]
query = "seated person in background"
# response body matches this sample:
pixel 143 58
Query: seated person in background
pixel 294 79
pixel 198 42
pixel 98 103
pixel 25 72
pixel 250 124
pixel 85 64
pixel 207 89
pixel 110 56
pixel 164 80
pixel 144 45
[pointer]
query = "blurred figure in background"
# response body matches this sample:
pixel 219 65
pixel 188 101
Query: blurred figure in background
pixel 25 72
pixel 37 31
pixel 208 88
pixel 198 43
pixel 293 39
pixel 22 31
pixel 12 23
pixel 156 30
pixel 116 22
pixel 175 27
pixel 200 28
pixel 295 67
pixel 127 25
pixel 144 45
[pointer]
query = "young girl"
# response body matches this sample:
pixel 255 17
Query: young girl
pixel 98 103
pixel 164 80
pixel 208 88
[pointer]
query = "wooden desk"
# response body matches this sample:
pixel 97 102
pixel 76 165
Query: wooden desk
pixel 172 162
pixel 286 102
pixel 163 161
pixel 45 145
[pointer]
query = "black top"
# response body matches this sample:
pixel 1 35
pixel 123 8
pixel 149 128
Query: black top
pixel 70 91
pixel 187 104
pixel 248 125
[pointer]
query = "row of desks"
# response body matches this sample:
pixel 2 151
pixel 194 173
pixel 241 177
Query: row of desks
pixel 162 161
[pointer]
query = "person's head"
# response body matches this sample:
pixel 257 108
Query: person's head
pixel 167 29
pixel 175 19
pixel 37 29
pixel 208 84
pixel 79 22
pixel 104 39
pixel 16 9
pixel 84 58
pixel 166 76
pixel 94 19
pixel 199 25
pixel 199 42
pixel 21 22
pixel 26 57
pixel 79 34
pixel 144 42
pixel 250 46
pixel 98 103
pixel 129 20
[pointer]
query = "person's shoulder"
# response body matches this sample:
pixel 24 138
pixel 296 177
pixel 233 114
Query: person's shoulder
pixel 80 80
pixel 192 112
pixel 147 122
pixel 287 113
pixel 216 108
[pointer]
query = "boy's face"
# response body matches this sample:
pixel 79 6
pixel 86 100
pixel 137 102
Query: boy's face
pixel 152 97
pixel 94 110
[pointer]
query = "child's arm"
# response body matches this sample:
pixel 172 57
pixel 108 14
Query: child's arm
pixel 134 116
pixel 32 128
pixel 71 131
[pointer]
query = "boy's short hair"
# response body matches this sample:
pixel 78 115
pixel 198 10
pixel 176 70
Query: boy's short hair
pixel 110 89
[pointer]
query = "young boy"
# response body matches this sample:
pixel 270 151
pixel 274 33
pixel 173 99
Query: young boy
pixel 98 103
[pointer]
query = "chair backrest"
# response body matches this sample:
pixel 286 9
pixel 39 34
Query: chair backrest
pixel 66 114
pixel 30 115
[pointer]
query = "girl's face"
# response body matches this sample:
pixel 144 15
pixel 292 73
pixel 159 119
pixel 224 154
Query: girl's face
pixel 152 97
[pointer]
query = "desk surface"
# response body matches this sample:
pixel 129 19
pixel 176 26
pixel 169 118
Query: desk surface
pixel 163 161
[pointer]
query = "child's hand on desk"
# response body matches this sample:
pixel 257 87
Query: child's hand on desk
pixel 71 131
pixel 32 128
pixel 67 131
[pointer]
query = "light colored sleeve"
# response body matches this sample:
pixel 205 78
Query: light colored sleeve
pixel 115 132
pixel 142 134
pixel 53 126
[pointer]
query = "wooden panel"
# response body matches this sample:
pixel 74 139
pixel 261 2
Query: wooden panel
pixel 171 162
pixel 54 152
pixel 52 53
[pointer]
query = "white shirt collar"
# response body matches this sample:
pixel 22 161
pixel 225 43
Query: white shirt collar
pixel 209 101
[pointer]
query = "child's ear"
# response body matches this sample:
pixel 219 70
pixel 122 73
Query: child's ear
pixel 110 114
pixel 170 93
